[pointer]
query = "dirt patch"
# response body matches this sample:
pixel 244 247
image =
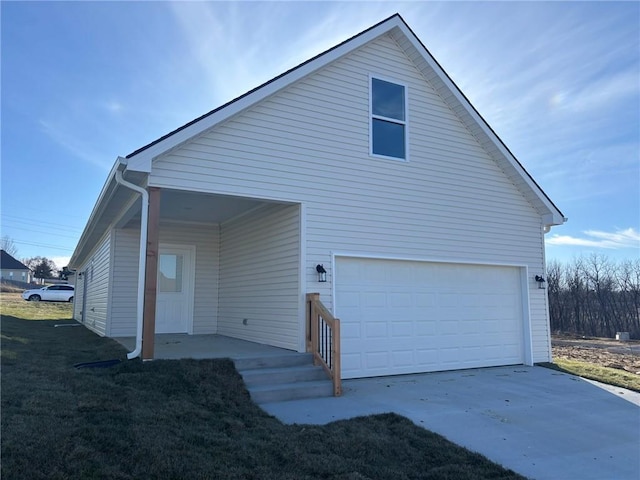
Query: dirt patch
pixel 605 352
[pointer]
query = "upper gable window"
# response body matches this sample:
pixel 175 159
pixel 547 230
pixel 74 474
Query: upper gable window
pixel 388 119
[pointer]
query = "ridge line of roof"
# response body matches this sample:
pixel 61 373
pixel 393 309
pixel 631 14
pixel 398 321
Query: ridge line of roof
pixel 268 82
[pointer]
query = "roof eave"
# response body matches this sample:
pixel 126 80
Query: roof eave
pixel 103 198
pixel 141 159
pixel 550 213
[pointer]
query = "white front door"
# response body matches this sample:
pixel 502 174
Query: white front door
pixel 174 303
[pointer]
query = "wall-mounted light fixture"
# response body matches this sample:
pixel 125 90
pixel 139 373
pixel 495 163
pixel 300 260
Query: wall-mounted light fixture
pixel 541 281
pixel 322 273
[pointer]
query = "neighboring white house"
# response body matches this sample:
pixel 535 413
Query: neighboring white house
pixel 366 159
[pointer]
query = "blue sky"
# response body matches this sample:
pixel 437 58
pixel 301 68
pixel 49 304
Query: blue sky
pixel 84 82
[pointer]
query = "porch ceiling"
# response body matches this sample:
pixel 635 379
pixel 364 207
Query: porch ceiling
pixel 182 206
pixel 200 207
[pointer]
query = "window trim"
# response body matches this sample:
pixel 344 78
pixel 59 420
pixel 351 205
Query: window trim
pixel 404 122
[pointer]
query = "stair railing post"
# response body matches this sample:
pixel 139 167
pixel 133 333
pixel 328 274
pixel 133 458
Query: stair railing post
pixel 310 300
pixel 314 329
pixel 335 353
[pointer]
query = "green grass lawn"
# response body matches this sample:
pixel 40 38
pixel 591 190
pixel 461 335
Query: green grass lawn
pixel 181 419
pixel 611 376
pixel 12 304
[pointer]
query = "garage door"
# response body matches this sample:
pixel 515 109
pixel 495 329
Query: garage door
pixel 409 317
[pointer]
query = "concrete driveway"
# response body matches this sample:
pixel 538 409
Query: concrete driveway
pixel 538 422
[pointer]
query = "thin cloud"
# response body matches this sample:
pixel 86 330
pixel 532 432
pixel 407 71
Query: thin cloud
pixel 236 47
pixel 72 144
pixel 628 238
pixel 113 106
pixel 600 94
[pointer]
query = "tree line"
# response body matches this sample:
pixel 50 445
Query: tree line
pixel 594 296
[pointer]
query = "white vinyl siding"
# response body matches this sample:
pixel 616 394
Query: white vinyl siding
pixel 259 276
pixel 125 283
pixel 97 293
pixel 125 289
pixel 310 144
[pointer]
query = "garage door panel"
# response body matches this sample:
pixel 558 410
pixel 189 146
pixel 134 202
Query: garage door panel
pixel 373 299
pixel 349 331
pixel 424 299
pixel 402 329
pixel 350 361
pixel 426 328
pixel 408 317
pixel 350 299
pixel 402 358
pixel 428 357
pixel 377 360
pixel 376 330
pixel 401 300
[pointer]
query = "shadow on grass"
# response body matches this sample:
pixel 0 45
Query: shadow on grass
pixel 185 419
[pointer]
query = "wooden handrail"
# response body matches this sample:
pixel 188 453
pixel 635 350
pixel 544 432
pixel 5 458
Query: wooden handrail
pixel 323 339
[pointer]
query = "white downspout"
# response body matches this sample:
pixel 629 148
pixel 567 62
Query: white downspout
pixel 122 164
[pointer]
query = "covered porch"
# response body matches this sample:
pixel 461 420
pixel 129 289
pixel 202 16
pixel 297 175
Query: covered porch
pixel 217 267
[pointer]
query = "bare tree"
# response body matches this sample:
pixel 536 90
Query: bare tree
pixel 554 290
pixel 8 245
pixel 594 296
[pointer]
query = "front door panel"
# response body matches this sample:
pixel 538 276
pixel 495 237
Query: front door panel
pixel 174 291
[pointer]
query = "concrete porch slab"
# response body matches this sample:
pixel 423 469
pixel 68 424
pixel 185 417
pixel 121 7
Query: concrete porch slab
pixel 174 346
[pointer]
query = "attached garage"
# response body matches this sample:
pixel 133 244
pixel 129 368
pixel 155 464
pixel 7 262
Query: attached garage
pixel 400 316
pixel 431 247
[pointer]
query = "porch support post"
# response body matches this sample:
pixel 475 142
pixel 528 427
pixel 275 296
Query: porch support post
pixel 151 275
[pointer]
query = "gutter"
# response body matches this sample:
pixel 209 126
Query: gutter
pixel 142 264
pixel 547 227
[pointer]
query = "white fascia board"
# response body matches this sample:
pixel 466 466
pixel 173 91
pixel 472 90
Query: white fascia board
pixel 552 219
pixel 556 218
pixel 141 162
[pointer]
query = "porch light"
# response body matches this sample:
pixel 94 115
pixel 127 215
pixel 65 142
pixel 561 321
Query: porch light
pixel 541 281
pixel 322 273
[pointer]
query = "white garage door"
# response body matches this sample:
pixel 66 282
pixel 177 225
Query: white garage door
pixel 409 317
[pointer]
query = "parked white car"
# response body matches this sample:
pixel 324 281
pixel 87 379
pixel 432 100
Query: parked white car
pixel 52 293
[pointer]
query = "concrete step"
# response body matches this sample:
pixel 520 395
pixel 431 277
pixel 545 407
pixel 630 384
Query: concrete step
pixel 273 361
pixel 291 391
pixel 280 375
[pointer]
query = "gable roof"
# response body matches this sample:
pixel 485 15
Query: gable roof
pixel 138 164
pixel 395 26
pixel 7 262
